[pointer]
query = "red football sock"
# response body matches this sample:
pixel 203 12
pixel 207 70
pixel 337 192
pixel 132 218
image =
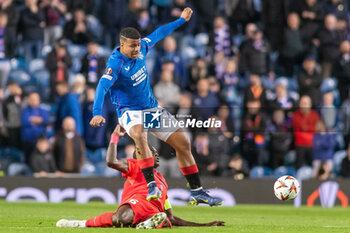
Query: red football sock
pixel 103 220
pixel 189 170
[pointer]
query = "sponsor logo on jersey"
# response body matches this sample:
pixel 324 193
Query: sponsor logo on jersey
pixel 127 68
pixel 109 71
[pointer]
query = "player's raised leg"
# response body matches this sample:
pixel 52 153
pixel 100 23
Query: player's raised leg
pixel 188 167
pixel 145 160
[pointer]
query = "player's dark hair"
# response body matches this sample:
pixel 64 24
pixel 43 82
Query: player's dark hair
pixel 129 33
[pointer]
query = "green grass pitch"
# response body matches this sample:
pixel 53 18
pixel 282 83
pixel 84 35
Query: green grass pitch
pixel 37 217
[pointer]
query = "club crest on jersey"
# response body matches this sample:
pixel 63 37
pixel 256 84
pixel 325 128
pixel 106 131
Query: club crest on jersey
pixel 140 56
pixel 109 71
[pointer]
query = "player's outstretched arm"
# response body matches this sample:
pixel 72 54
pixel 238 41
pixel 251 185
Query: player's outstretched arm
pixel 111 158
pixel 176 221
pixel 163 31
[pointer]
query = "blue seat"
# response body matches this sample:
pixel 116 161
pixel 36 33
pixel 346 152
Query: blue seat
pixel 260 172
pixel 283 171
pixel 104 51
pixel 337 160
pixel 36 64
pixel 88 169
pixel 11 154
pixel 289 158
pixel 16 169
pixel 329 84
pixel 76 65
pixel 42 77
pixel 20 76
pixel 305 172
pixel 18 64
pixel 97 156
pixel 76 50
pixel 110 172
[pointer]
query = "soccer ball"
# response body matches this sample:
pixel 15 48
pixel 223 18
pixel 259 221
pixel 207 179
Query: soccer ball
pixel 286 188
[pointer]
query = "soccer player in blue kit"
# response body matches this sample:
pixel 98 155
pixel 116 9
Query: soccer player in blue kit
pixel 126 79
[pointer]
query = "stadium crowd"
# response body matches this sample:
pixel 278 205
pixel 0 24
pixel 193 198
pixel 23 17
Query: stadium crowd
pixel 275 72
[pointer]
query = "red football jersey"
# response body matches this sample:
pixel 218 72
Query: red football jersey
pixel 136 184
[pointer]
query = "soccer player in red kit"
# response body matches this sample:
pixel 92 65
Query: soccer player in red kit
pixel 134 209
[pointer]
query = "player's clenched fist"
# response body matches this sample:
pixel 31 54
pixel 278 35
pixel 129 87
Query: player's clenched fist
pixel 186 14
pixel 97 121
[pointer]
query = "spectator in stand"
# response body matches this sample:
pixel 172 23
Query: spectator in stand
pixel 292 48
pixel 69 148
pixel 227 126
pixel 134 8
pixel 252 134
pixel 170 53
pixel 32 28
pixel 2 120
pixel 256 56
pixel 94 137
pixel 345 107
pixel 58 62
pixel 241 12
pixel 42 160
pixel 204 102
pixel 219 65
pixel 281 138
pixel 197 71
pixel 86 5
pixel 282 101
pixel 144 23
pixel 304 124
pixel 201 154
pixel 341 70
pixel 274 14
pixel 77 29
pixel 336 7
pixel 345 165
pixel 53 12
pixel 221 38
pixel 214 85
pixel 112 14
pixel 173 12
pixel 329 113
pixel 310 80
pixel 237 168
pixel 92 64
pixel 230 83
pixel 167 161
pixel 218 150
pixel 9 7
pixel 167 92
pixel 328 40
pixel 5 66
pixel 206 13
pixel 250 30
pixel 311 15
pixel 255 91
pixel 324 143
pixel 12 115
pixel 33 124
pixel 68 105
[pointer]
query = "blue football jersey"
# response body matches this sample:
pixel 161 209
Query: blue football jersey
pixel 127 79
